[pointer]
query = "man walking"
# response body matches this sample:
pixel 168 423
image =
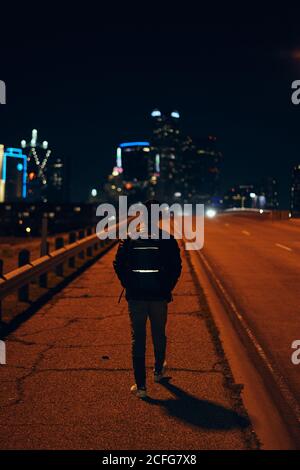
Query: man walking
pixel 148 269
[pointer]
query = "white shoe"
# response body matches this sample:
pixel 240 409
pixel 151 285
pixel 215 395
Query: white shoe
pixel 138 392
pixel 159 377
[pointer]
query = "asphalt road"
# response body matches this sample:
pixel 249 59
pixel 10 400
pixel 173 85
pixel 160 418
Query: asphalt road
pixel 258 262
pixel 68 374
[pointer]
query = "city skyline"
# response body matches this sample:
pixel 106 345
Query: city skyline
pixel 58 176
pixel 226 78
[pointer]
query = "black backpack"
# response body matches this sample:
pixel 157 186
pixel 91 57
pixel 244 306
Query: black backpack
pixel 144 266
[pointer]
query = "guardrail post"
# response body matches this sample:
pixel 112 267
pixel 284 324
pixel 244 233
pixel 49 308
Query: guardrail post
pixel 89 250
pixel 43 280
pixel 81 235
pixel 1 275
pixel 59 243
pixel 23 259
pixel 72 239
pixel 44 247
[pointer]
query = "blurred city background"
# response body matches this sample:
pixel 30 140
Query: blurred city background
pixel 167 164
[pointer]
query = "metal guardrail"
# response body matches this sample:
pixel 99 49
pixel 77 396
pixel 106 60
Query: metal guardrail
pixel 19 279
pixel 247 209
pixel 261 213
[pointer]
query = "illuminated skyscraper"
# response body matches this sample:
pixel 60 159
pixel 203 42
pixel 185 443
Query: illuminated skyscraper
pixel 37 158
pixel 133 158
pixel 167 142
pixel 188 169
pixel 13 166
pixel 57 188
pixel 202 164
pixel 130 175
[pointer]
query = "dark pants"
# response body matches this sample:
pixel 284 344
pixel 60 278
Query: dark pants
pixel 139 311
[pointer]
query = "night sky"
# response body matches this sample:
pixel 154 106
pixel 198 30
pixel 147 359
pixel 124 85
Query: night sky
pixel 88 88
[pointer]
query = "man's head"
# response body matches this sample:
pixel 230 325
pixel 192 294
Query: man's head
pixel 147 217
pixel 151 202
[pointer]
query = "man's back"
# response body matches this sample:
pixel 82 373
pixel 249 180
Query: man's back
pixel 148 268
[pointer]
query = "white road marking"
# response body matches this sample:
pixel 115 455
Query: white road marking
pixel 245 232
pixel 283 247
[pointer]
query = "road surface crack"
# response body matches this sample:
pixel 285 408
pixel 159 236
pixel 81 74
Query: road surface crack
pixel 20 381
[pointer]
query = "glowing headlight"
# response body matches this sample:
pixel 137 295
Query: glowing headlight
pixel 211 213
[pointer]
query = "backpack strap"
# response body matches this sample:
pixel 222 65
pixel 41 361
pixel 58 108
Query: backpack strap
pixel 121 295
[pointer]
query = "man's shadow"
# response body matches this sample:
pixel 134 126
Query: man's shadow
pixel 200 413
